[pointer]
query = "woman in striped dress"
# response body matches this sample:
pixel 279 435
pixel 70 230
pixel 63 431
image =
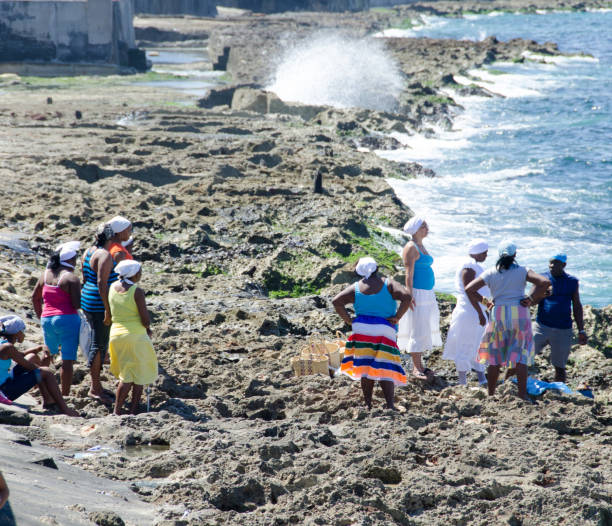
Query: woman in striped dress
pixel 98 275
pixel 508 339
pixel 371 350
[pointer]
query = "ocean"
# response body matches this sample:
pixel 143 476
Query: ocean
pixel 534 166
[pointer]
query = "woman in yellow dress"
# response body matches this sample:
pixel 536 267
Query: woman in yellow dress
pixel 132 357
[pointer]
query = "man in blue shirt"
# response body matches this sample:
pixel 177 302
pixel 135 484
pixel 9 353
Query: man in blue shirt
pixel 553 324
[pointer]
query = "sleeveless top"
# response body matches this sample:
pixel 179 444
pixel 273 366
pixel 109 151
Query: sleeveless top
pixel 115 248
pixel 556 310
pixel 126 318
pixel 423 273
pixel 5 366
pixel 56 301
pixel 90 295
pixel 380 304
pixel 460 289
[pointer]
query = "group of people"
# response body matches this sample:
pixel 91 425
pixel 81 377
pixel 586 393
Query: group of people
pixel 116 317
pixel 490 325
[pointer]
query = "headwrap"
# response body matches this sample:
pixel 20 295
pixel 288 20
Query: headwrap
pixel 126 269
pixel 105 229
pixel 412 225
pixel 506 248
pixel 366 267
pixel 67 251
pixel 560 257
pixel 11 324
pixel 127 242
pixel 119 224
pixel 477 246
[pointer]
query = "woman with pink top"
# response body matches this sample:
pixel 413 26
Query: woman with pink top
pixel 55 299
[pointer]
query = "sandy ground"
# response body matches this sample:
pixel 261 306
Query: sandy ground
pixel 241 259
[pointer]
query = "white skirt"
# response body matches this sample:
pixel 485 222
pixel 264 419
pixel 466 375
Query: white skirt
pixel 464 336
pixel 419 329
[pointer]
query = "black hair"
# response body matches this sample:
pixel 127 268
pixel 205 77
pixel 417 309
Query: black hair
pixel 2 329
pixel 54 261
pixel 505 262
pixel 101 239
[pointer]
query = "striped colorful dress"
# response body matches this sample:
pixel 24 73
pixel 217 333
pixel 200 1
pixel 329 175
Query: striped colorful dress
pixel 371 350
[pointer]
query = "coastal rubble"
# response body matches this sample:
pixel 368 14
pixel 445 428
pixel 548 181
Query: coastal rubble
pixel 241 258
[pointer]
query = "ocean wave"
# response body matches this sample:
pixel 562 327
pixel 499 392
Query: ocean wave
pixel 559 59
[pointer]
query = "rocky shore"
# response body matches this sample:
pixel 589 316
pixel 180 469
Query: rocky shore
pixel 241 259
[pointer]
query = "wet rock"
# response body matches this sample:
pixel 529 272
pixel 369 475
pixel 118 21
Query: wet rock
pixel 106 518
pixel 384 474
pixel 47 462
pixel 240 498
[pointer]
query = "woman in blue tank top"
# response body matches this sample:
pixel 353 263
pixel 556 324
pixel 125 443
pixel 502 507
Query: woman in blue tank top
pixel 371 350
pixel 419 328
pixel 19 372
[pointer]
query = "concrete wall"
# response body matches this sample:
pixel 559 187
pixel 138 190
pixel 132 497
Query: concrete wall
pixel 66 30
pixel 279 6
pixel 176 7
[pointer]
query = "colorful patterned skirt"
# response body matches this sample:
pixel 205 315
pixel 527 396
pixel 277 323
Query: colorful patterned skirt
pixel 372 352
pixel 508 339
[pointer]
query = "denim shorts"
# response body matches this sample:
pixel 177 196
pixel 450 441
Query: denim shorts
pixel 62 332
pixel 20 382
pixel 101 334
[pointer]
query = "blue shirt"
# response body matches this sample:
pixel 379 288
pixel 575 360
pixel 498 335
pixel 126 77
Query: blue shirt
pixel 424 277
pixel 556 310
pixel 380 304
pixel 5 366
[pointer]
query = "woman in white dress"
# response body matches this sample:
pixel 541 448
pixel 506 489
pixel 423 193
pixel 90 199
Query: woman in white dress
pixel 469 317
pixel 419 328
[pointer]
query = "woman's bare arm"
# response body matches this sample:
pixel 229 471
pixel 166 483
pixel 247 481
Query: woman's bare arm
pixel 341 300
pixel 409 256
pixel 37 297
pixel 74 290
pixel 541 286
pixel 141 303
pixel 401 294
pixel 105 264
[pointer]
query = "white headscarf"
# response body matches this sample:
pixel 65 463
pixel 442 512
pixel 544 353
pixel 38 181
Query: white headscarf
pixel 366 267
pixel 119 224
pixel 477 246
pixel 413 224
pixel 11 324
pixel 126 269
pixel 67 251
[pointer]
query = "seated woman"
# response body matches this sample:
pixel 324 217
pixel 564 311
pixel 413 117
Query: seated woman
pixel 508 339
pixel 56 298
pixel 133 359
pixel 371 350
pixel 25 374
